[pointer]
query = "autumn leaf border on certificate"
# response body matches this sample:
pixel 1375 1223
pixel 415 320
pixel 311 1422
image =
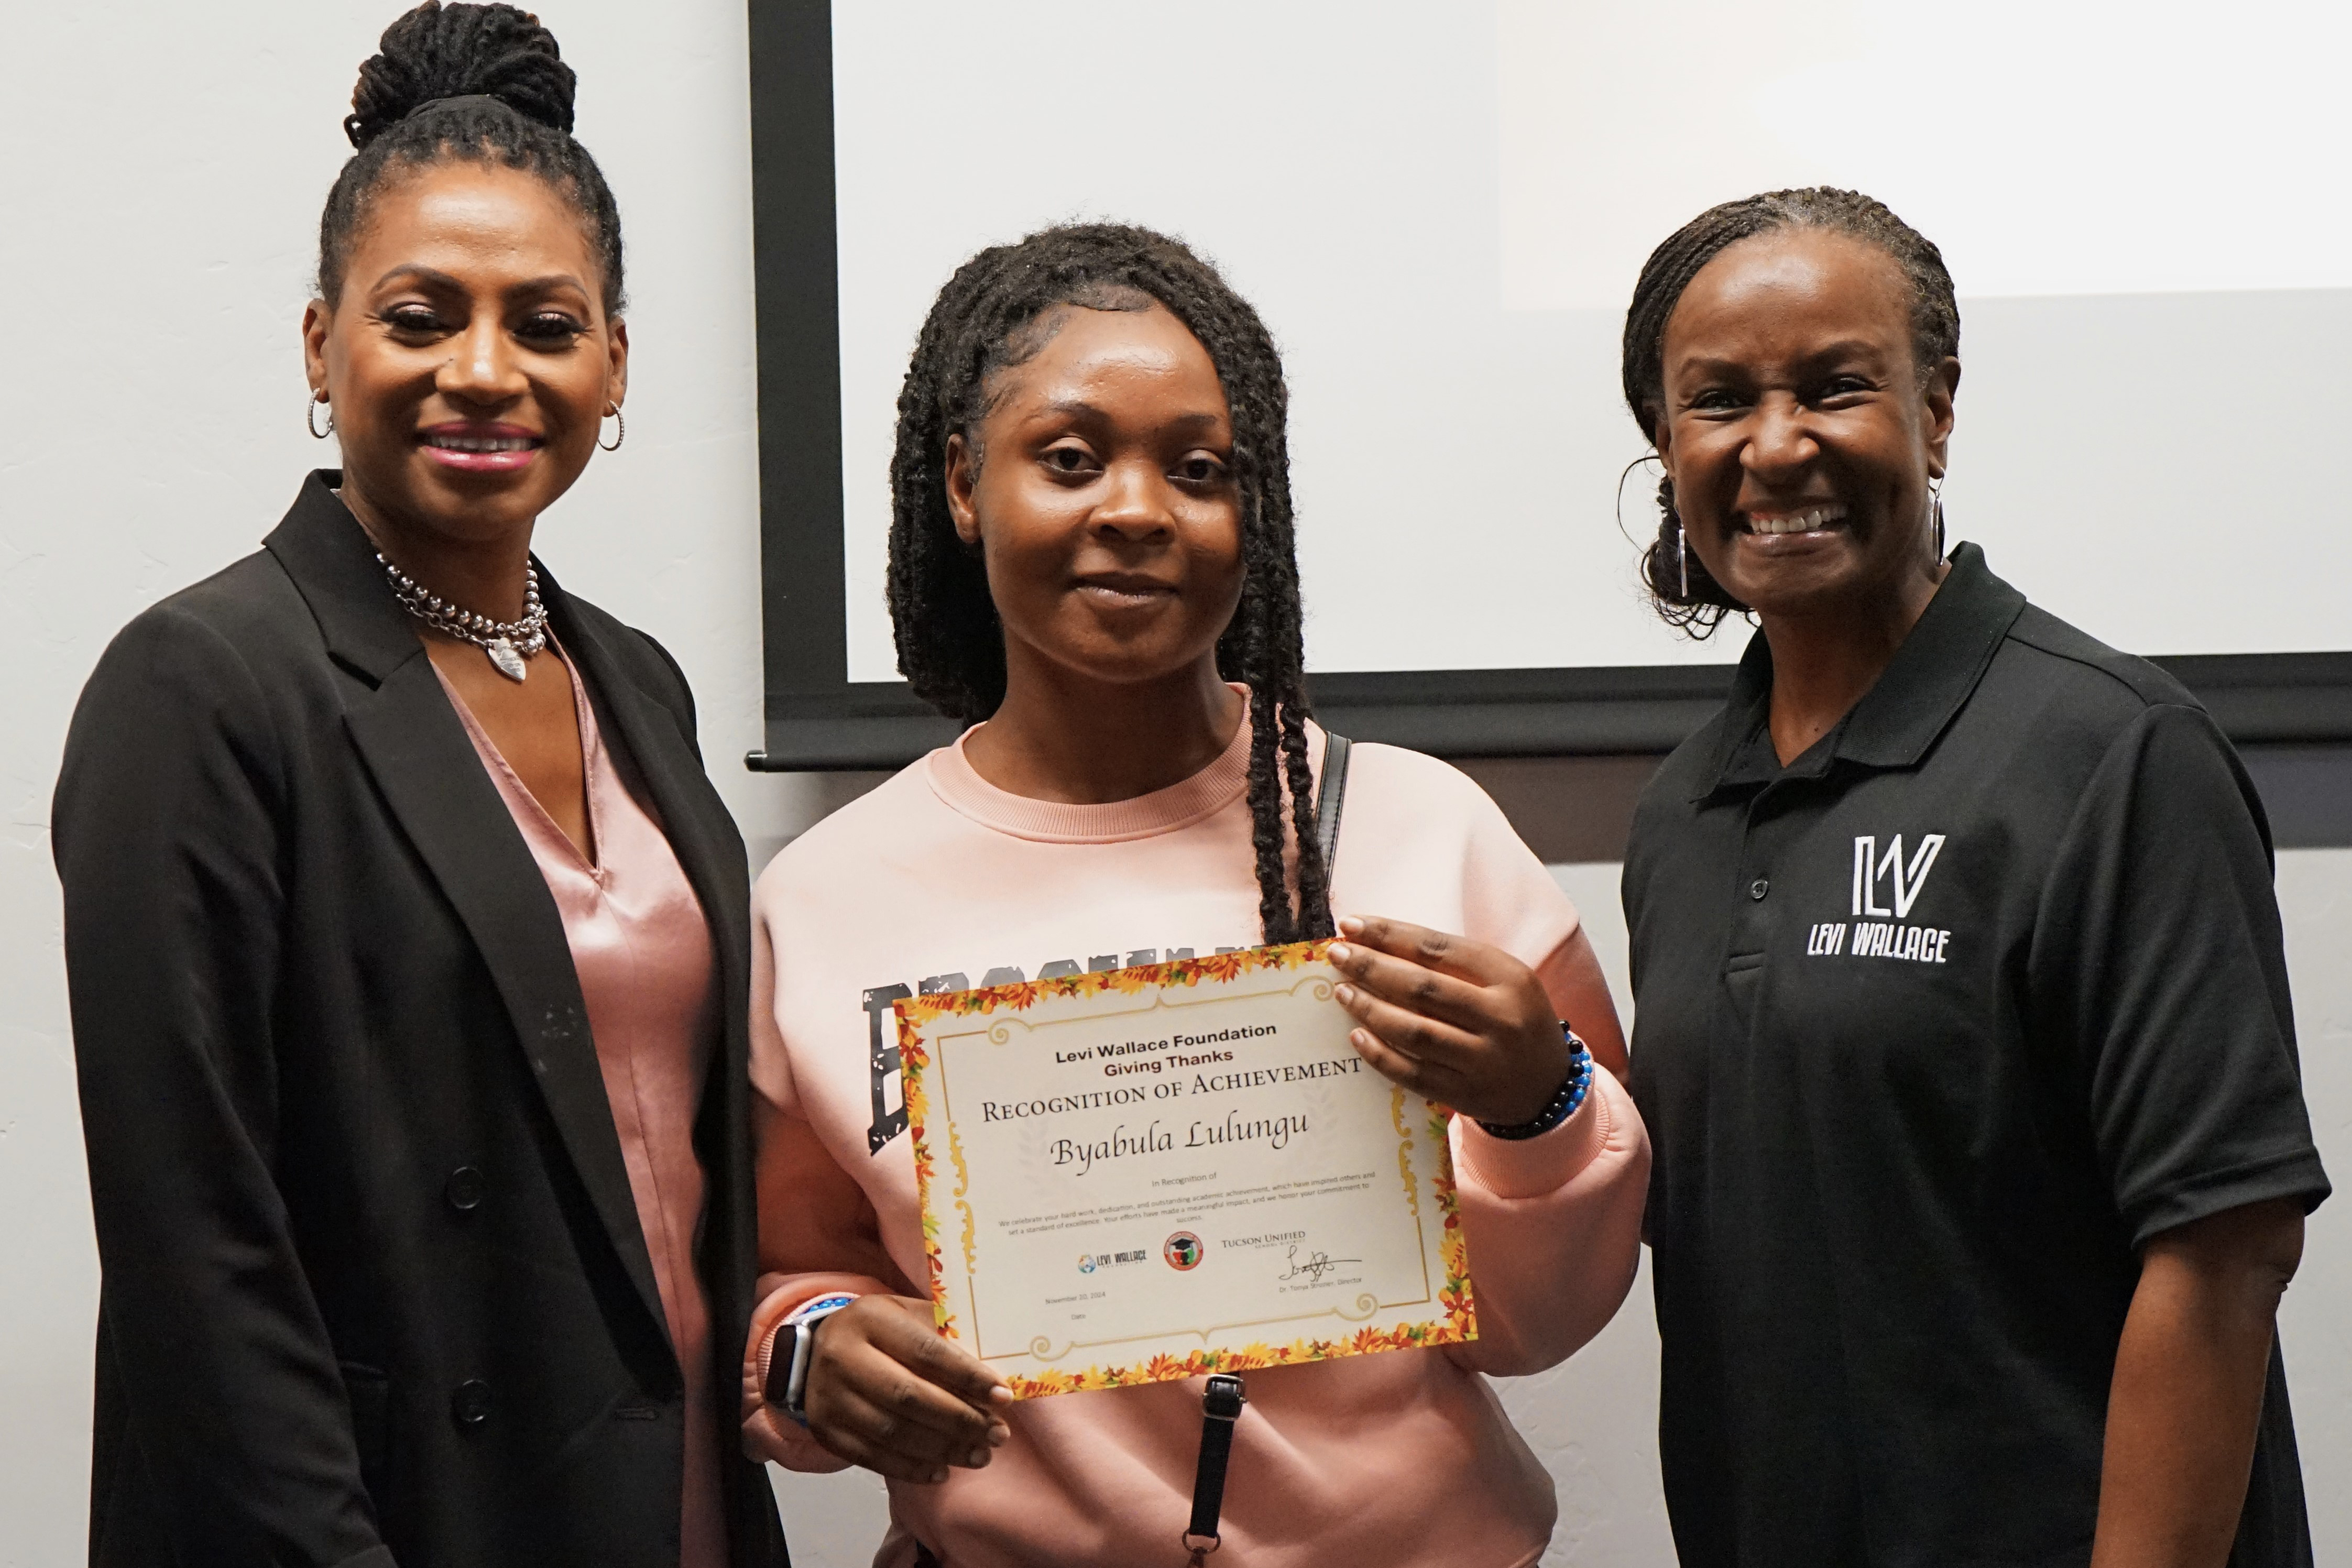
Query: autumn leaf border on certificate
pixel 1456 1298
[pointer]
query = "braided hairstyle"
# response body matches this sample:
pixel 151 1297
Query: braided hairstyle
pixel 1935 337
pixel 515 109
pixel 995 313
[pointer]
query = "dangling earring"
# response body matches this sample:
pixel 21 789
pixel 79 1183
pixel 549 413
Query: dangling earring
pixel 310 418
pixel 620 430
pixel 1936 494
pixel 1682 556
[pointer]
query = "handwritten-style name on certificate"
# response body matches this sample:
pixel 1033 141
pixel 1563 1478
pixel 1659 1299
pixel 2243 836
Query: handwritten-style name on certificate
pixel 1245 1191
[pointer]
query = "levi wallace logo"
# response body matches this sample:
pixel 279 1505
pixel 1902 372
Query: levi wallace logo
pixel 1903 879
pixel 1869 868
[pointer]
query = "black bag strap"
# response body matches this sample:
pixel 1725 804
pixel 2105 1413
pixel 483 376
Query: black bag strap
pixel 1331 799
pixel 1221 1406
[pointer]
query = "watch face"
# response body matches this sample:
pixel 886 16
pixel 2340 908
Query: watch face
pixel 782 1354
pixel 795 1391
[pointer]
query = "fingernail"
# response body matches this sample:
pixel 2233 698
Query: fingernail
pixel 1340 952
pixel 1351 924
pixel 1000 1394
pixel 938 1476
pixel 979 1457
pixel 999 1434
pixel 1347 994
pixel 1358 1038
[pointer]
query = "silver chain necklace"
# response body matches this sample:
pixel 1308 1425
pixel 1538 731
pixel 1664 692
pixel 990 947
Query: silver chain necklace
pixel 507 644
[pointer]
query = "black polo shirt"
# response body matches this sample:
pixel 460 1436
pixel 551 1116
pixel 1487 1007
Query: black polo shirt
pixel 1934 1028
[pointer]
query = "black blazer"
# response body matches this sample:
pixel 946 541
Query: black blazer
pixel 374 1287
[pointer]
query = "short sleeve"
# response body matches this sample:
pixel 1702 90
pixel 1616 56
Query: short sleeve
pixel 2158 973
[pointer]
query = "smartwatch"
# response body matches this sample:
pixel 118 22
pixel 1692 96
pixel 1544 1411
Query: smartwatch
pixel 788 1369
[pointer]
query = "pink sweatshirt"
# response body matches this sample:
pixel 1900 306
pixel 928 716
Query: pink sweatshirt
pixel 939 881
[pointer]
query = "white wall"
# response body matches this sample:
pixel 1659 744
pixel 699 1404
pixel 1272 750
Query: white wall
pixel 157 210
pixel 1440 211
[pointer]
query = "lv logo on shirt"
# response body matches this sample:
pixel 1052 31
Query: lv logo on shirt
pixel 1903 881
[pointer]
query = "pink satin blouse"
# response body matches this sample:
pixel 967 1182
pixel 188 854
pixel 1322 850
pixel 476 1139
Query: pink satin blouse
pixel 642 948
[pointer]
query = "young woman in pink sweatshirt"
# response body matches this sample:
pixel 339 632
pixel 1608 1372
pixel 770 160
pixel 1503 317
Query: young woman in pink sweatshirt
pixel 1092 566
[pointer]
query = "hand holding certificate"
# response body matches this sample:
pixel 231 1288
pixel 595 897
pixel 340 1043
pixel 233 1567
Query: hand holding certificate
pixel 887 1390
pixel 1160 1172
pixel 1179 1169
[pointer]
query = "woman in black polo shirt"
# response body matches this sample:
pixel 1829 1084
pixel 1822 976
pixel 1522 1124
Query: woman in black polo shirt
pixel 1962 1026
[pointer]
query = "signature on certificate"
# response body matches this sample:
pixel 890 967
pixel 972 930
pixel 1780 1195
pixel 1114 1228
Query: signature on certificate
pixel 1312 1266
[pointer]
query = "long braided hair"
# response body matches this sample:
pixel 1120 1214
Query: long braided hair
pixel 950 646
pixel 1935 337
pixel 516 110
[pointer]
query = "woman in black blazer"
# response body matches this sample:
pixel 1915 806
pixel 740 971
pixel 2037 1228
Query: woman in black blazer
pixel 378 1287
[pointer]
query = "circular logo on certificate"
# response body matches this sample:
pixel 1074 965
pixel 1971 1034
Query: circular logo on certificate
pixel 1086 1263
pixel 1183 1251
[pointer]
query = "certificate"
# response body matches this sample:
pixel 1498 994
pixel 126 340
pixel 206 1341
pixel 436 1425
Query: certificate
pixel 1175 1169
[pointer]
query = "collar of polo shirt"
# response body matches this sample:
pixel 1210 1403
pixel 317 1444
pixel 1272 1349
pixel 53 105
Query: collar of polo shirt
pixel 1927 682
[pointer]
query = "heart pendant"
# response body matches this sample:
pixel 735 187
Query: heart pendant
pixel 507 660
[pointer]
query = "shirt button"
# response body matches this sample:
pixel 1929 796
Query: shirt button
pixel 464 1189
pixel 469 1404
pixel 1758 888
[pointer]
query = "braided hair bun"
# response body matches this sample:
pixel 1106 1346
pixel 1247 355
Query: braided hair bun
pixel 440 51
pixel 464 83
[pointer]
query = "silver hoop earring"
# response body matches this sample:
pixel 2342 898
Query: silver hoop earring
pixel 310 418
pixel 620 431
pixel 1936 495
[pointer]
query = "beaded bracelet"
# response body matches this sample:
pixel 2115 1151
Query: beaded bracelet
pixel 1563 1104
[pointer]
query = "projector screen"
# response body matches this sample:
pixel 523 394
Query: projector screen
pixel 1441 210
